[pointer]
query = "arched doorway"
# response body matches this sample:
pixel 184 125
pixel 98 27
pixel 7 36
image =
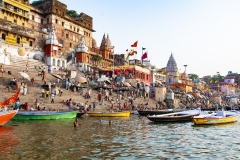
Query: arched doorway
pixel 54 62
pixel 63 63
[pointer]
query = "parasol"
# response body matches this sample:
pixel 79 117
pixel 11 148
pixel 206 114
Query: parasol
pixel 80 79
pixel 25 75
pixel 57 76
pixel 102 79
pixel 21 51
pixel 126 84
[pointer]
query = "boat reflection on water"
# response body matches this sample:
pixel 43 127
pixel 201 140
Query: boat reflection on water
pixel 216 125
pixel 7 141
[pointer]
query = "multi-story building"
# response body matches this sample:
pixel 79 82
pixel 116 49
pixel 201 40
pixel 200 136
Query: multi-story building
pixel 48 14
pixel 14 16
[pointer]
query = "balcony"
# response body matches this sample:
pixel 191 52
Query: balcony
pixel 24 5
pixel 17 11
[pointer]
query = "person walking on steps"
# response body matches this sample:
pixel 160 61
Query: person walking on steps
pixel 52 98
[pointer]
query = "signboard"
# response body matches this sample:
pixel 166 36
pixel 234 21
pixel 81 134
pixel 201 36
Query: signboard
pixel 11 40
pixel 25 45
pixel 120 67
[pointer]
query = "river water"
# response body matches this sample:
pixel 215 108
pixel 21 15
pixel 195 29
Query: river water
pixel 126 138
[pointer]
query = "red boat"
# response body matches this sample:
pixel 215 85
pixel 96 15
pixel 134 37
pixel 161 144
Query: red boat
pixel 7 116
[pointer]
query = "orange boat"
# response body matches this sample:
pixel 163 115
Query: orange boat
pixel 7 116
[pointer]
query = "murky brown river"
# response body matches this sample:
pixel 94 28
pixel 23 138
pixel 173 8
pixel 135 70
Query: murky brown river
pixel 126 138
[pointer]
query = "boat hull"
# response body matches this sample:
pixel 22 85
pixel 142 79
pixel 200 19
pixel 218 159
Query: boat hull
pixel 7 116
pixel 113 114
pixel 222 120
pixel 181 118
pixel 158 112
pixel 80 114
pixel 41 115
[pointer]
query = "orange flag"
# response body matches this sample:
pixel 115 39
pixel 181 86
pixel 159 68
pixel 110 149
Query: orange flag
pixel 134 44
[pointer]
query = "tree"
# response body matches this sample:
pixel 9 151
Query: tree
pixel 72 13
pixel 37 1
pixel 97 58
pixel 194 76
pixel 216 79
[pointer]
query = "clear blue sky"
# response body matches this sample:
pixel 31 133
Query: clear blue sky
pixel 203 34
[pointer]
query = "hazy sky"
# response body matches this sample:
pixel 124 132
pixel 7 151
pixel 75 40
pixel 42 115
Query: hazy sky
pixel 203 34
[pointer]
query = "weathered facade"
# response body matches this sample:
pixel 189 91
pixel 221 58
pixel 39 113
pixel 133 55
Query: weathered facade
pixel 68 30
pixel 14 16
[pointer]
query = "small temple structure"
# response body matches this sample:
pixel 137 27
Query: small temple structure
pixel 173 80
pixel 53 51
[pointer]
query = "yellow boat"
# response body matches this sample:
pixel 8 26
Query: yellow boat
pixel 221 117
pixel 109 114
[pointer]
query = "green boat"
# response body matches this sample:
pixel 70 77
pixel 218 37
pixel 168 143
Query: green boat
pixel 37 115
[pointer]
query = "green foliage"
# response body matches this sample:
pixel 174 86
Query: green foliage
pixel 97 58
pixel 194 76
pixel 36 1
pixel 207 80
pixel 216 79
pixel 72 13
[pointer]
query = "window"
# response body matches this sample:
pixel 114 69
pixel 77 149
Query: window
pixel 15 21
pixel 62 34
pixel 33 17
pixel 70 45
pixel 5 18
pixel 70 27
pixel 3 36
pixel 30 43
pixel 47 20
pixel 67 35
pixel 32 27
pixel 41 21
pixel 74 28
pixel 62 23
pixel 56 21
pixel 84 24
pixel 56 10
pixel 78 30
pixel 18 40
pixel 23 24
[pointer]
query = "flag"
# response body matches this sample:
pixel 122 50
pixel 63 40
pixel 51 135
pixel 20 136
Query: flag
pixel 126 50
pixel 144 56
pixel 132 52
pixel 143 48
pixel 134 44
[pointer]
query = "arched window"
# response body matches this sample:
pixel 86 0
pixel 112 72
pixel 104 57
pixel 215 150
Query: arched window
pixel 54 62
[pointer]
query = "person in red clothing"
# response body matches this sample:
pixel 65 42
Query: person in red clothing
pixel 99 97
pixel 32 81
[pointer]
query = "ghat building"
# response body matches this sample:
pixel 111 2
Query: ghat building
pixel 14 17
pixel 47 30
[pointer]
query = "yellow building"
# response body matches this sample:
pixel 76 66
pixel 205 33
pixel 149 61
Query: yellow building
pixel 15 11
pixel 14 16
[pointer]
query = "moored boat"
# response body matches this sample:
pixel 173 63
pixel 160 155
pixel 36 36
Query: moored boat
pixel 220 117
pixel 80 114
pixel 37 115
pixel 175 117
pixel 158 112
pixel 6 116
pixel 109 114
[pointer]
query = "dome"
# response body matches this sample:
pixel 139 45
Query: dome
pixel 171 65
pixel 21 51
pixel 94 43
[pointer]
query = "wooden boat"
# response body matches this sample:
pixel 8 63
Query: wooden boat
pixel 80 114
pixel 175 117
pixel 158 112
pixel 220 117
pixel 36 115
pixel 6 116
pixel 109 114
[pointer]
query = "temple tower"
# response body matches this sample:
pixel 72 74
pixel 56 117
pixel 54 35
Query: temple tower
pixel 171 71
